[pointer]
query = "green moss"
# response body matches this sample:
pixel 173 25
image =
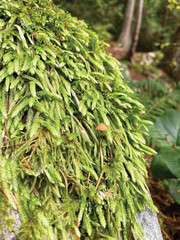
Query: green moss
pixel 57 83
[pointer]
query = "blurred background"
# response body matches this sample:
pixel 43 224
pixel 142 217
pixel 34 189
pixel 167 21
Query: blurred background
pixel 144 35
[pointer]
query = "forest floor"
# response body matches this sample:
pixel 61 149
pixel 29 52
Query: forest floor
pixel 169 211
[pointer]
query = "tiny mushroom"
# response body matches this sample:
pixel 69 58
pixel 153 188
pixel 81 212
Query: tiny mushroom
pixel 101 127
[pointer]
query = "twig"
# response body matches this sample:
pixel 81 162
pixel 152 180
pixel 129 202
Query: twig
pixel 62 107
pixel 166 234
pixel 6 135
pixel 76 222
pixel 27 164
pixel 16 144
pixel 98 182
pixel 53 8
pixel 65 25
pixel 117 188
pixel 7 101
pixel 89 174
pixel 35 193
pixel 4 192
pixel 12 195
pixel 14 199
pixel 6 131
pixel 130 230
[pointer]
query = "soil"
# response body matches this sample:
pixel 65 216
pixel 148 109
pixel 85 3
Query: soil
pixel 169 211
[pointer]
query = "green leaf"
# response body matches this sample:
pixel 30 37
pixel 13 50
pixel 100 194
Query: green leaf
pixel 166 164
pixel 174 186
pixel 172 159
pixel 159 168
pixel 168 126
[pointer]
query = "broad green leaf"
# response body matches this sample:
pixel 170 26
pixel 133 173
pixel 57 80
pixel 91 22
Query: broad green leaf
pixel 159 168
pixel 174 189
pixel 166 164
pixel 168 126
pixel 172 159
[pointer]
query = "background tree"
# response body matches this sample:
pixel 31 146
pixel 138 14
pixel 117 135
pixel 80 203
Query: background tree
pixel 137 27
pixel 125 37
pixel 172 51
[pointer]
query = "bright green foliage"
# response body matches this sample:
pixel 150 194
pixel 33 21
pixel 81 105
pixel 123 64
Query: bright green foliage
pixel 57 83
pixel 174 4
pixel 168 159
pixel 103 16
pixel 168 127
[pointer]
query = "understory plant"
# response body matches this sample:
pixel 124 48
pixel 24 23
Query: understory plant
pixel 166 138
pixel 63 176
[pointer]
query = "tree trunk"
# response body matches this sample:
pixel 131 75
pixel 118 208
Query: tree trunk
pixel 137 27
pixel 125 36
pixel 171 60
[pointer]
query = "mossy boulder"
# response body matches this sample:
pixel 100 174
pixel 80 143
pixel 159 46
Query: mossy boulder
pixel 57 83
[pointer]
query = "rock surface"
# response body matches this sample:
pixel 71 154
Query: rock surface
pixel 7 235
pixel 149 222
pixel 147 219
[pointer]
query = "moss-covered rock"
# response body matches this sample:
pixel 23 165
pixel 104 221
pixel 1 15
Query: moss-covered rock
pixel 57 83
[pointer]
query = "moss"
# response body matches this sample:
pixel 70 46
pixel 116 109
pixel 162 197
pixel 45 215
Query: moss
pixel 57 83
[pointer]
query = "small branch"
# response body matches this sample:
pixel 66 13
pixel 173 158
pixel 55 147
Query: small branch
pixel 7 101
pixel 62 107
pixel 14 199
pixel 130 230
pixel 53 8
pixel 76 222
pixel 12 145
pixel 117 188
pixel 98 182
pixel 6 131
pixel 35 193
pixel 89 174
pixel 12 195
pixel 65 25
pixel 168 237
pixel 1 187
pixel 26 163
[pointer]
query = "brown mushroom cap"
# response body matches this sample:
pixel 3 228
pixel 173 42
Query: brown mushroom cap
pixel 101 127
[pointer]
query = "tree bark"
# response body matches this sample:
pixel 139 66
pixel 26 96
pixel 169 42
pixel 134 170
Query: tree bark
pixel 125 36
pixel 171 61
pixel 137 27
